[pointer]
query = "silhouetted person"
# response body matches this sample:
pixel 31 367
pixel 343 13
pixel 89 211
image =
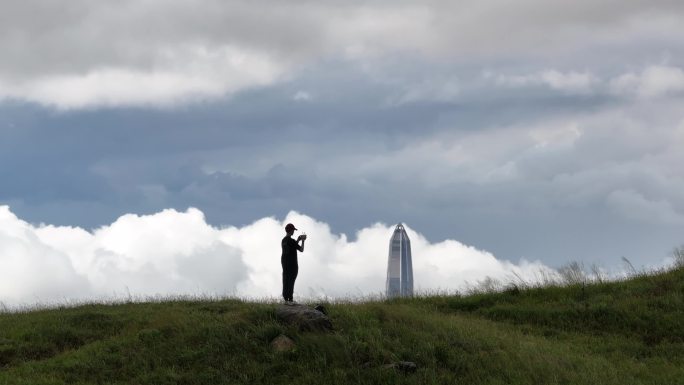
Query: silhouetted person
pixel 289 260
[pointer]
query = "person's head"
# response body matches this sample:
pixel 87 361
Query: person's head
pixel 290 229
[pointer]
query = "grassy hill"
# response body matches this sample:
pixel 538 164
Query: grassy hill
pixel 629 332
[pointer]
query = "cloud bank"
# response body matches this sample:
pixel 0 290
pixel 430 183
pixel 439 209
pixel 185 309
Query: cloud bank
pixel 172 253
pixel 79 53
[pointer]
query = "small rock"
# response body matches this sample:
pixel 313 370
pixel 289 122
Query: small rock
pixel 402 366
pixel 406 366
pixel 322 309
pixel 304 317
pixel 282 343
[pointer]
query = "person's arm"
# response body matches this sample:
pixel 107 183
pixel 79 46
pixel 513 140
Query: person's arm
pixel 300 247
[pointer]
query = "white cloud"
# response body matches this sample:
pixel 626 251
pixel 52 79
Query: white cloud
pixel 168 252
pixel 30 269
pixel 555 136
pixel 174 252
pixel 569 82
pixel 653 81
pixel 428 90
pixel 302 96
pixel 198 74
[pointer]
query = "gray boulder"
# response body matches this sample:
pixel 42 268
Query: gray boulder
pixel 304 318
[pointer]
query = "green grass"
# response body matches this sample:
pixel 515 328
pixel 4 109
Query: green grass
pixel 628 332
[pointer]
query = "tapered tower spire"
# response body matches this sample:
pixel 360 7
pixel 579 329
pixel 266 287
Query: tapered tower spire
pixel 399 265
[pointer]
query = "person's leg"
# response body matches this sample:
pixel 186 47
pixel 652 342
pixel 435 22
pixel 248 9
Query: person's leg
pixel 285 284
pixel 294 271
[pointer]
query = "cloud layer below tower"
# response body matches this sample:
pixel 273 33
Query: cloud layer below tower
pixel 178 253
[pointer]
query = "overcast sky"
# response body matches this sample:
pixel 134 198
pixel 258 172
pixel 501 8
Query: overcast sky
pixel 534 133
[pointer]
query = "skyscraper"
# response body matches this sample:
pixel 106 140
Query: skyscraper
pixel 399 265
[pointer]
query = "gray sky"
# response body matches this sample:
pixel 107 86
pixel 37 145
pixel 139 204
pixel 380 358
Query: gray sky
pixel 548 131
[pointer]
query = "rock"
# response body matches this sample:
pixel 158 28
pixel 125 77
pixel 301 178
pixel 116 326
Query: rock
pixel 402 366
pixel 406 366
pixel 282 343
pixel 304 317
pixel 321 308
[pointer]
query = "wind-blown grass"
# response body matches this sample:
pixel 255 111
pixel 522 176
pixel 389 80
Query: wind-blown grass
pixel 624 332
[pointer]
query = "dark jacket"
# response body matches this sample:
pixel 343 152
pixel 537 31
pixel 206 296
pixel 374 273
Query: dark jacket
pixel 290 248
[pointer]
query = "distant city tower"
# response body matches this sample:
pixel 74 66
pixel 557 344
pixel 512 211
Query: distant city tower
pixel 399 265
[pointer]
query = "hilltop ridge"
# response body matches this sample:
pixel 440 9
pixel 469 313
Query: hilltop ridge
pixel 610 333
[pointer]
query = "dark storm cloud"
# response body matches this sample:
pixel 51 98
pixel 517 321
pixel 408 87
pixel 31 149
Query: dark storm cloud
pixel 531 130
pixel 523 172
